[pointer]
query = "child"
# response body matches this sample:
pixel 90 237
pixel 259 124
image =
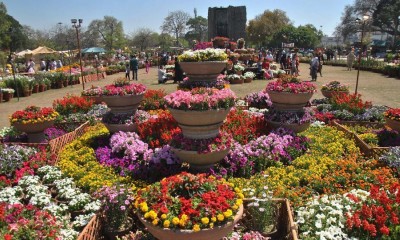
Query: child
pixel 127 70
pixel 147 63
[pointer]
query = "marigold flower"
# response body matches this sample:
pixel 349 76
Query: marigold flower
pixel 220 217
pixel 175 221
pixel 228 213
pixel 213 219
pixel 166 223
pixel 155 222
pixel 205 220
pixel 196 228
pixel 163 216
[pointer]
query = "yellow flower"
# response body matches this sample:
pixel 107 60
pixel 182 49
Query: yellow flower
pixel 240 195
pixel 239 202
pixel 228 213
pixel 182 223
pixel 184 217
pixel 155 222
pixel 146 215
pixel 237 190
pixel 205 220
pixel 163 216
pixel 235 207
pixel 175 221
pixel 196 228
pixel 144 207
pixel 211 225
pixel 166 223
pixel 213 219
pixel 220 217
pixel 153 214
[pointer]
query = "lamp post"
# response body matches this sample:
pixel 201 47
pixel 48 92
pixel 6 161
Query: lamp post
pixel 11 61
pixel 362 22
pixel 77 24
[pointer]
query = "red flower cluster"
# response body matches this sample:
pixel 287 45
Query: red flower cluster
pixel 244 126
pixel 351 102
pixel 393 113
pixel 33 114
pixel 72 104
pixel 379 214
pixel 18 221
pixel 153 100
pixel 158 131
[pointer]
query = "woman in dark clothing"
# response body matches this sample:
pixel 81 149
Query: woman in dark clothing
pixel 178 72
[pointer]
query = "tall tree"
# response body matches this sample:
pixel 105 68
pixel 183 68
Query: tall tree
pixel 144 38
pixel 387 18
pixel 264 26
pixel 109 30
pixel 175 24
pixel 198 28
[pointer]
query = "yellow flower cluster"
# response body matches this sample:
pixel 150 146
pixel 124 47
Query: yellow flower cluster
pixel 78 161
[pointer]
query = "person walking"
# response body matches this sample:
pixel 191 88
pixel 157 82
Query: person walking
pixel 314 66
pixel 134 66
pixel 350 60
pixel 127 71
pixel 178 78
pixel 147 64
pixel 320 62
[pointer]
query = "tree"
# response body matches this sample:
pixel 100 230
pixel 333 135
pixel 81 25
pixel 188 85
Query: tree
pixel 108 32
pixel 198 28
pixel 175 23
pixel 144 38
pixel 387 18
pixel 262 29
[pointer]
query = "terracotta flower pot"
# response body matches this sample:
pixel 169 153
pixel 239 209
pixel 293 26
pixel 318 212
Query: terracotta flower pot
pixel 200 161
pixel 286 101
pixel 215 233
pixel 329 94
pixel 96 99
pixel 200 124
pixel 248 80
pixel 34 130
pixel 393 124
pixel 123 104
pixel 113 128
pixel 236 81
pixel 42 88
pixel 7 96
pixel 203 71
pixel 35 89
pixel 294 127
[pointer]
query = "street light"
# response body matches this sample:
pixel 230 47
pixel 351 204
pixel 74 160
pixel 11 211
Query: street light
pixel 77 24
pixel 362 22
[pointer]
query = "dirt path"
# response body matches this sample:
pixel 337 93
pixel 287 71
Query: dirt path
pixel 372 86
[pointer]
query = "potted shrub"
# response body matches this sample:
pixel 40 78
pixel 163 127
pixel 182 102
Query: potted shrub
pixel 295 121
pixel 34 120
pixel 238 69
pixel 8 93
pixel 166 208
pixel 201 111
pixel 249 76
pixel 392 117
pixel 235 79
pixel 289 93
pixel 333 87
pixel 93 93
pixel 203 64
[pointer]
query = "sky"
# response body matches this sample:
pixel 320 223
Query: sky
pixel 46 14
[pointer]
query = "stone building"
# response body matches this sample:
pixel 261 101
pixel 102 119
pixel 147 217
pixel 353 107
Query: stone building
pixel 227 22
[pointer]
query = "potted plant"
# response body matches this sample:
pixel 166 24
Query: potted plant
pixel 187 206
pixel 333 87
pixel 116 122
pixel 203 64
pixel 289 93
pixel 93 93
pixel 295 121
pixel 201 154
pixel 116 204
pixel 392 117
pixel 258 100
pixel 235 79
pixel 220 42
pixel 201 111
pixel 123 96
pixel 238 69
pixel 33 120
pixel 8 93
pixel 249 76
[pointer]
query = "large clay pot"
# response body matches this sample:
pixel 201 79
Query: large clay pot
pixel 285 101
pixel 35 131
pixel 96 99
pixel 35 89
pixel 200 124
pixel 294 127
pixel 200 161
pixel 113 128
pixel 329 94
pixel 236 81
pixel 7 96
pixel 393 124
pixel 123 104
pixel 215 233
pixel 42 88
pixel 203 71
pixel 248 80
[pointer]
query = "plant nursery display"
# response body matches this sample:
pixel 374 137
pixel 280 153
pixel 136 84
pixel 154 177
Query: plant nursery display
pixel 333 87
pixel 392 117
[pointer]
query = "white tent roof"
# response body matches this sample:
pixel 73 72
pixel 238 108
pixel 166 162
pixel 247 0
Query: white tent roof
pixel 22 53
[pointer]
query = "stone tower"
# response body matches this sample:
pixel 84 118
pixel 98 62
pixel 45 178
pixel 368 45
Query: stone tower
pixel 227 22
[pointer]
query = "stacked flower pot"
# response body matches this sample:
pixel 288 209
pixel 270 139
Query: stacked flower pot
pixel 289 98
pixel 123 99
pixel 201 111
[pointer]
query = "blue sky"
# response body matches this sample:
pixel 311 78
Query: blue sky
pixel 45 14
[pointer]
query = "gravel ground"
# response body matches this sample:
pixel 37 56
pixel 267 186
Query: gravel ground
pixel 374 87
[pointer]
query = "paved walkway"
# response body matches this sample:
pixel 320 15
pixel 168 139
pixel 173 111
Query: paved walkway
pixel 374 87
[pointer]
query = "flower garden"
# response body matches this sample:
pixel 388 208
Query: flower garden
pixel 200 163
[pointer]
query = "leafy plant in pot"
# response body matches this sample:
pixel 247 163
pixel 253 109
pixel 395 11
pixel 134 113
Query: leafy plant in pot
pixel 116 202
